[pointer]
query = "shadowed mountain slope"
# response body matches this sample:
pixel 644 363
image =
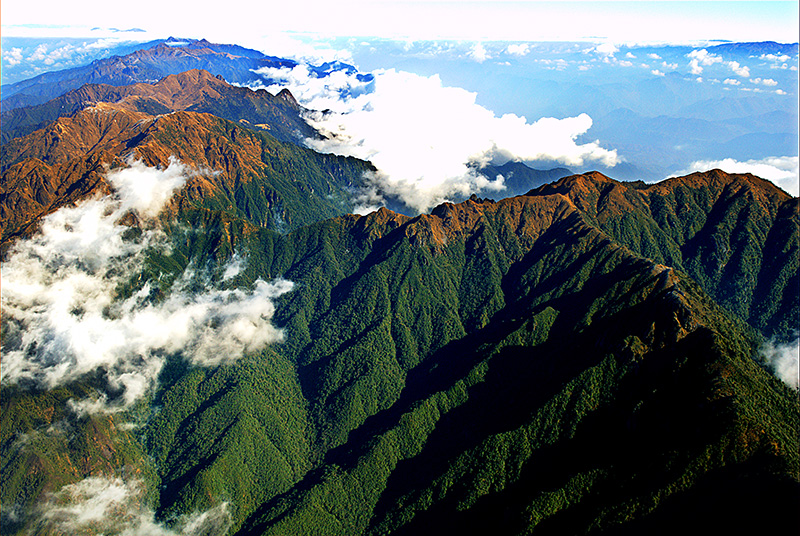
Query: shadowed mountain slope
pixel 493 367
pixel 736 235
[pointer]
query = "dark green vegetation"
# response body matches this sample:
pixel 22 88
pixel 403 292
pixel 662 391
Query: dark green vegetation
pixel 583 359
pixel 736 235
pixel 525 366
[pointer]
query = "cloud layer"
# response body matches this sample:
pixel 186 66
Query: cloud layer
pixel 426 138
pixel 781 170
pixel 64 318
pixel 111 506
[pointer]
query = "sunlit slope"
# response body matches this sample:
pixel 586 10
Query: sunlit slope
pixel 195 91
pixel 493 367
pixel 738 236
pixel 245 174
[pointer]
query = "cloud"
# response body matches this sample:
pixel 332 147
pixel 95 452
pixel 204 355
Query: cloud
pixel 63 317
pixel 731 82
pixel 654 56
pixel 606 49
pixel 657 72
pixel 784 171
pixel 13 57
pixel 783 360
pixel 630 56
pixel 776 58
pixel 740 70
pixel 765 81
pixel 426 138
pixel 479 53
pixel 521 49
pixel 701 58
pixel 112 506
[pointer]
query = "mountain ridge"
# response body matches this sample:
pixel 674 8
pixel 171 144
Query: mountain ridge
pixel 194 90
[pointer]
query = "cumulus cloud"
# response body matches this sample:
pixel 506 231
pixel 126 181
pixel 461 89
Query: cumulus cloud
pixel 13 57
pixel 764 81
pixel 777 58
pixel 479 53
pixel 783 360
pixel 112 506
pixel 657 72
pixel 426 138
pixel 654 56
pixel 521 49
pixel 701 58
pixel 784 171
pixel 731 82
pixel 606 49
pixel 740 70
pixel 64 318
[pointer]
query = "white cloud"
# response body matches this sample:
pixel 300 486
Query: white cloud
pixel 764 81
pixel 783 359
pixel 64 318
pixel 731 82
pixel 521 49
pixel 657 72
pixel 740 70
pixel 781 170
pixel 423 136
pixel 13 57
pixel 780 92
pixel 478 53
pixel 671 66
pixel 112 506
pixel 606 49
pixel 630 56
pixel 654 56
pixel 701 58
pixel 777 58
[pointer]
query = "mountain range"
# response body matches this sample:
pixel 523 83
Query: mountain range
pixel 584 356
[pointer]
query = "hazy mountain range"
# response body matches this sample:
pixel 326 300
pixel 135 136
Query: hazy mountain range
pixel 201 337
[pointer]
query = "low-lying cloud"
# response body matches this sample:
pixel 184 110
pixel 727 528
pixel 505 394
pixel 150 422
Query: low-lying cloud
pixel 426 139
pixel 784 361
pixel 112 506
pixel 784 171
pixel 64 316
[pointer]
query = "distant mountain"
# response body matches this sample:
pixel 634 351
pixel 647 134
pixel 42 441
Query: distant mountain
pixel 232 62
pixel 195 91
pixel 520 178
pixel 242 172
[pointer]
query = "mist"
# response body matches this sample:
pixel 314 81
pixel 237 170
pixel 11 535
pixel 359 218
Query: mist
pixel 784 361
pixel 426 139
pixel 113 506
pixel 64 316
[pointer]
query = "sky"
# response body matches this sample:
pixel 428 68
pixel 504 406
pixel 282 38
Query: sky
pixel 617 21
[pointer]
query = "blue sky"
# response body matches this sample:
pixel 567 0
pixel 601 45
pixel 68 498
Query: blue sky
pixel 619 21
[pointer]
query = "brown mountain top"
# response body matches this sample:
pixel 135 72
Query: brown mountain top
pixel 236 169
pixel 195 90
